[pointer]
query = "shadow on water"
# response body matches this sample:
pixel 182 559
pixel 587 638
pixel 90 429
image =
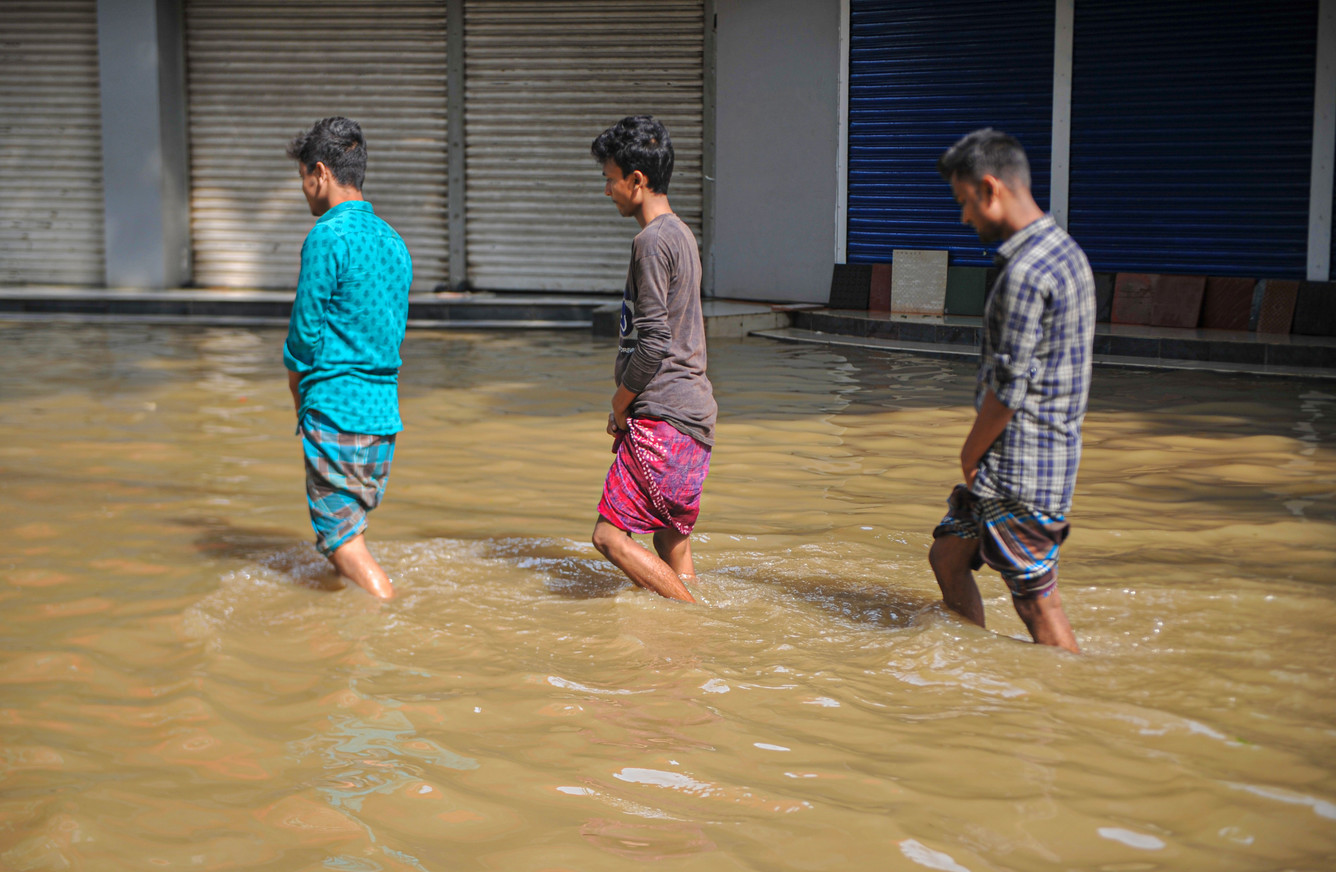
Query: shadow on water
pixel 272 548
pixel 571 570
pixel 886 607
pixel 564 572
pixel 221 538
pixel 569 573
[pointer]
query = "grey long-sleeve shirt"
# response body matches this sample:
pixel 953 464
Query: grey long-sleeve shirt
pixel 661 356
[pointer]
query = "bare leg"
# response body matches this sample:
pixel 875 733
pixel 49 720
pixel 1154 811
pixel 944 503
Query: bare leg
pixel 642 567
pixel 354 561
pixel 950 558
pixel 675 550
pixel 1047 621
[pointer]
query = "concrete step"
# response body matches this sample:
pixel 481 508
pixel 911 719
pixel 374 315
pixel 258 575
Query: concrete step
pixel 230 308
pixel 473 311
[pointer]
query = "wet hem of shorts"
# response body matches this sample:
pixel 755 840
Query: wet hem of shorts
pixel 641 532
pixel 327 549
pixel 1030 595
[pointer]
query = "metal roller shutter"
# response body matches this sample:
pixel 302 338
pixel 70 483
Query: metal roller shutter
pixel 542 79
pixel 260 71
pixel 923 73
pixel 51 219
pixel 1192 130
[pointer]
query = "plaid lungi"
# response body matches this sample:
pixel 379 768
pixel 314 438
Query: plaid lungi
pixel 1019 542
pixel 346 474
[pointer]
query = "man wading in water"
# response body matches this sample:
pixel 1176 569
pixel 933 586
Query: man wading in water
pixel 1020 458
pixel 663 410
pixel 342 350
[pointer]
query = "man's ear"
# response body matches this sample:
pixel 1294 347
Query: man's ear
pixel 322 172
pixel 991 188
pixel 988 186
pixel 639 179
pixel 987 190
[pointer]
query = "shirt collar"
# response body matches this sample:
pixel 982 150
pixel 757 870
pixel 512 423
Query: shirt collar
pixel 345 207
pixel 1023 237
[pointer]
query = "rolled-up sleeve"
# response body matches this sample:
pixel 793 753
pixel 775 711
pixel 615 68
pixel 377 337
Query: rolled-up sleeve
pixel 654 337
pixel 1014 362
pixel 315 287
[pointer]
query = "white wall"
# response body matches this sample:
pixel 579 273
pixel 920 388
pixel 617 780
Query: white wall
pixel 777 141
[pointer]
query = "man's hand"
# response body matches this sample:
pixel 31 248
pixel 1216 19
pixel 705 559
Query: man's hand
pixel 621 402
pixel 992 419
pixel 970 471
pixel 612 425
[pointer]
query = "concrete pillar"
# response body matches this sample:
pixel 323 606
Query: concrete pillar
pixel 456 180
pixel 146 181
pixel 1060 164
pixel 1324 147
pixel 777 117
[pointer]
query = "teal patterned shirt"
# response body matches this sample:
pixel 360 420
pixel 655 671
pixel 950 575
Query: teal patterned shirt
pixel 348 320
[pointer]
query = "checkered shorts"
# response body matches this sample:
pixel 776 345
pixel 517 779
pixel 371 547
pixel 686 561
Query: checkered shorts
pixel 346 474
pixel 1019 542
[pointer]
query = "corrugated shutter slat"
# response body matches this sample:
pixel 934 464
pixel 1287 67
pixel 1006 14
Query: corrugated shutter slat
pixel 1192 135
pixel 259 72
pixel 51 220
pixel 542 79
pixel 923 73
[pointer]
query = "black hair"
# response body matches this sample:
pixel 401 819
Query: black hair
pixel 987 152
pixel 337 142
pixel 638 142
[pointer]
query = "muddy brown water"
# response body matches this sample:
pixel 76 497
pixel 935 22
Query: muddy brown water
pixel 177 691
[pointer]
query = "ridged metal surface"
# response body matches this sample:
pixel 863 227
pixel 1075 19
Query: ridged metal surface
pixel 51 220
pixel 542 80
pixel 260 71
pixel 923 73
pixel 1192 135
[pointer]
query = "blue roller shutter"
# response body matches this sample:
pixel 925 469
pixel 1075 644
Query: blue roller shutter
pixel 922 73
pixel 1192 135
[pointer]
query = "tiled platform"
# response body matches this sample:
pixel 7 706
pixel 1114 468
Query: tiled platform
pixel 1115 344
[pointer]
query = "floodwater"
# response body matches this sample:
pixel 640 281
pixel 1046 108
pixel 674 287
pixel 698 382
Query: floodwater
pixel 180 690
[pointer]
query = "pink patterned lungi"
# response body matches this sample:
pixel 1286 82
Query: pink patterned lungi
pixel 656 479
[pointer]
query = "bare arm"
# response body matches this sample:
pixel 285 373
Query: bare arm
pixel 294 379
pixel 621 402
pixel 992 419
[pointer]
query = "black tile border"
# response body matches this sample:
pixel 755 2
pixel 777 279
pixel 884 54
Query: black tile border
pixel 1236 352
pixel 1309 356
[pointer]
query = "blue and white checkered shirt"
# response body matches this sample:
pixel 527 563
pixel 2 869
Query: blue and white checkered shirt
pixel 1039 329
